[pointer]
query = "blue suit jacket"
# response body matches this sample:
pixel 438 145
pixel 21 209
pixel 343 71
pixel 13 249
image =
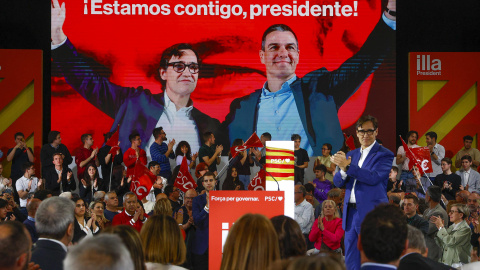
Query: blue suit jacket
pixel 377 267
pixel 200 218
pixel 319 95
pixel 49 255
pixel 372 178
pixel 134 109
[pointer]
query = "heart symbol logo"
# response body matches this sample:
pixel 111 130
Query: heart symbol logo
pixel 287 160
pixel 280 198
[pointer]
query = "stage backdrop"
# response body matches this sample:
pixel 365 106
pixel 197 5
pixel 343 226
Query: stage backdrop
pixel 444 97
pixel 123 41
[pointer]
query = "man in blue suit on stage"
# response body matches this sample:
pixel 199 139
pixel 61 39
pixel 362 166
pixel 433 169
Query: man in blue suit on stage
pixel 364 173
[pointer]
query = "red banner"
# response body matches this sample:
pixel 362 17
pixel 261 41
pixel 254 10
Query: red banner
pixel 419 156
pixel 113 142
pixel 258 182
pixel 349 141
pixel 142 181
pixel 184 179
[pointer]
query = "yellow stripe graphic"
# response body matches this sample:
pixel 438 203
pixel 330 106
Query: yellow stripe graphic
pixel 426 90
pixel 454 115
pixel 10 113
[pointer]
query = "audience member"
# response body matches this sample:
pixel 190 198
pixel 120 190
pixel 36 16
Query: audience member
pixel 58 178
pixel 163 207
pixel 433 198
pixel 13 211
pixel 82 226
pixel 200 211
pixel 18 155
pixel 86 155
pixel 183 149
pixel 416 254
pixel 163 243
pixel 394 184
pixel 29 223
pixel 173 194
pixel 407 176
pixel 449 182
pixel 410 207
pixel 290 237
pixel 324 160
pixel 250 249
pixel 394 199
pixel 209 153
pixel 132 214
pixel 90 183
pixel 327 230
pixel 131 238
pixel 324 262
pixel 301 159
pixel 383 238
pixel 232 182
pixel 455 240
pixel 43 194
pixel 161 152
pixel 437 153
pixel 105 160
pixel 5 183
pixel 335 194
pixel 120 182
pixel 309 197
pixel 97 211
pixel 26 184
pixel 200 170
pixel 422 183
pixel 321 184
pixel 468 150
pixel 470 178
pixel 54 222
pixel 304 215
pixel 111 205
pixel 49 150
pixel 186 212
pixel 242 163
pixel 134 153
pixel 3 210
pixel 96 253
pixel 15 247
pixel 99 196
pixel 261 154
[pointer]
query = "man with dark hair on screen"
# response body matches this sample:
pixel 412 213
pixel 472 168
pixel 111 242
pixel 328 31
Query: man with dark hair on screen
pixel 137 108
pixel 364 173
pixel 307 106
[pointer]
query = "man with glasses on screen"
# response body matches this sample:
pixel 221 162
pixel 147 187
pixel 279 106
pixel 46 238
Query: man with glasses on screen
pixel 137 108
pixel 306 106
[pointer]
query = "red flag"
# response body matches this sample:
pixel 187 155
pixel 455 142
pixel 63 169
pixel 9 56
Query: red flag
pixel 184 179
pixel 113 142
pixel 419 156
pixel 142 181
pixel 258 182
pixel 349 141
pixel 253 141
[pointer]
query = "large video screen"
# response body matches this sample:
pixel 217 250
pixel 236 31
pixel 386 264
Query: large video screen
pixel 108 74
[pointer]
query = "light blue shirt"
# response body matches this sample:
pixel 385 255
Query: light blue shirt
pixel 278 115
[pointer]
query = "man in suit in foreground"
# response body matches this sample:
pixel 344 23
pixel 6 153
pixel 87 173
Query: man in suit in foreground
pixel 54 223
pixel 15 247
pixel 383 238
pixel 416 254
pixel 364 172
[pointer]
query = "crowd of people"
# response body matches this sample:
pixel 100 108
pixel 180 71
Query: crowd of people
pixel 169 229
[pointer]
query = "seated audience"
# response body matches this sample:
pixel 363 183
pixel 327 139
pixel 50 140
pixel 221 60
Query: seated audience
pixel 97 253
pixel 26 184
pixel 58 178
pixel 99 196
pixel 468 150
pixel 163 207
pixel 5 183
pixel 131 238
pixel 13 211
pixel 97 210
pixel 162 243
pixel 49 150
pixel 232 182
pixel 133 214
pixel 83 227
pixel 90 183
pixel 416 254
pixel 111 205
pixel 410 207
pixel 43 194
pixel 335 194
pixel 173 194
pixel 321 184
pixel 394 184
pixel 290 238
pixel 324 160
pixel 247 249
pixel 310 197
pixel 470 178
pixel 15 247
pixel 455 240
pixel 383 238
pixel 304 215
pixel 394 199
pixel 29 223
pixel 449 182
pixel 183 149
pixel 327 230
pixel 54 222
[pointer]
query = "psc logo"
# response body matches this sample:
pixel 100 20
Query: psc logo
pixel 280 161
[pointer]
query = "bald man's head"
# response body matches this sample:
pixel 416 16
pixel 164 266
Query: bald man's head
pixel 32 207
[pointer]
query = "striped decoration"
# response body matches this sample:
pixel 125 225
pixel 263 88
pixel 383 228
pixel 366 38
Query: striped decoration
pixel 279 163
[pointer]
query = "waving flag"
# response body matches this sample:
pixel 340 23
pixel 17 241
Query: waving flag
pixel 253 141
pixel 113 142
pixel 349 141
pixel 184 179
pixel 419 156
pixel 142 180
pixel 258 182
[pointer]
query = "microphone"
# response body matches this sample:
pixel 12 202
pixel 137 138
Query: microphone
pixel 261 167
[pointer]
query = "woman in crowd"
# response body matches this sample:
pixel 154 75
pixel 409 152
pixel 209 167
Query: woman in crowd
pixel 97 208
pixel 325 261
pixel 247 249
pixel 90 184
pixel 232 182
pixel 455 240
pixel 131 239
pixel 183 149
pixel 327 230
pixel 163 243
pixel 83 227
pixel 325 160
pixel 290 238
pixel 242 162
pixel 163 207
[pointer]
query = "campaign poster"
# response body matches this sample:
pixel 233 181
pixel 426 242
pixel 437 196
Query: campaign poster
pixel 108 73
